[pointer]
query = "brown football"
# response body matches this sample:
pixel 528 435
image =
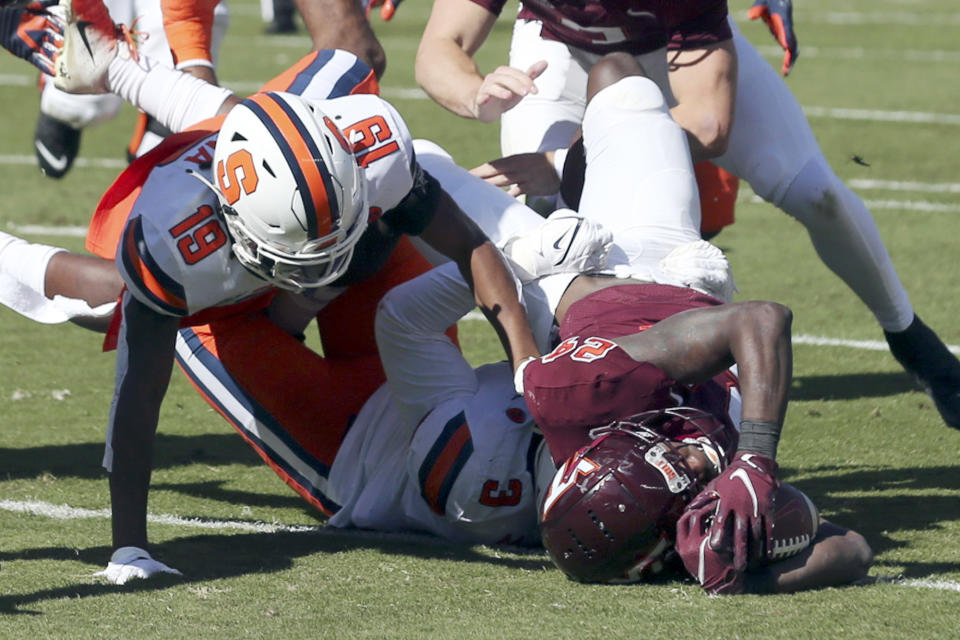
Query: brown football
pixel 795 524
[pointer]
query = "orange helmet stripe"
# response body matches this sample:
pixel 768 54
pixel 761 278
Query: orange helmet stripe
pixel 304 159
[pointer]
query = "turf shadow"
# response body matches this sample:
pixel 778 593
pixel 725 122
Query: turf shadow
pixel 898 499
pixel 204 558
pixel 851 386
pixel 82 459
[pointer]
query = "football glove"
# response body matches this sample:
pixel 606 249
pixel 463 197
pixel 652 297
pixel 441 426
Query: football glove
pixel 128 563
pixel 388 8
pixel 564 243
pixel 744 508
pixel 778 14
pixel 33 32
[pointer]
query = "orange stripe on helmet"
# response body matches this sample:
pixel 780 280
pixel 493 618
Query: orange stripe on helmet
pixel 308 164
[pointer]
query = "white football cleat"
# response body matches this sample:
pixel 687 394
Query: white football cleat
pixel 91 40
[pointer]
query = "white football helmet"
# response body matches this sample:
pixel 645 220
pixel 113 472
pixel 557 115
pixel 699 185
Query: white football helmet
pixel 293 196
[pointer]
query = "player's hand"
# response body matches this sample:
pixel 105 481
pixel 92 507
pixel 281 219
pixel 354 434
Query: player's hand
pixel 34 33
pixel 387 7
pixel 778 14
pixel 564 243
pixel 744 509
pixel 532 174
pixel 503 88
pixel 128 563
pixel 712 568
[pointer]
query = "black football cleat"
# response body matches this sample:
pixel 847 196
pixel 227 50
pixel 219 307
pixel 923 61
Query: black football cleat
pixel 932 364
pixel 56 144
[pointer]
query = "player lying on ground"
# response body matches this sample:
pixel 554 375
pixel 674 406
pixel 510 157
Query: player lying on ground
pixel 733 104
pixel 189 251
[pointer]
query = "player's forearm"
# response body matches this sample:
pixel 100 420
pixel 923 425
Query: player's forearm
pixel 449 76
pixel 837 556
pixel 144 365
pixel 496 293
pixel 761 347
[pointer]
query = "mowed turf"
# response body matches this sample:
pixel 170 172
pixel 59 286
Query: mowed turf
pixel 879 79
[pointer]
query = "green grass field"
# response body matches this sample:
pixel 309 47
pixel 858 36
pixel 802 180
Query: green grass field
pixel 880 82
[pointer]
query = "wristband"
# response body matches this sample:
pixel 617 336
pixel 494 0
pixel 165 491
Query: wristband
pixel 760 436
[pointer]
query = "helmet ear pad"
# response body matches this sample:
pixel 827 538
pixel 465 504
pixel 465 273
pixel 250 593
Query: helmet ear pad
pixel 294 197
pixel 611 512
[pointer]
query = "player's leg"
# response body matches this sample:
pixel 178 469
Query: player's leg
pixel 62 118
pixel 639 180
pixel 341 24
pixel 836 556
pixel 773 147
pixel 290 404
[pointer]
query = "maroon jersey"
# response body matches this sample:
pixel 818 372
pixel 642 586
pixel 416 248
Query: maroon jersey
pixel 632 26
pixel 588 381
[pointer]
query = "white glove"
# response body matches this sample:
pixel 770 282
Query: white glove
pixel 128 563
pixel 701 266
pixel 564 243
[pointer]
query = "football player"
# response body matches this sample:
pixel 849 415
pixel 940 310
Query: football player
pixel 197 235
pixel 63 116
pixel 639 343
pixel 714 74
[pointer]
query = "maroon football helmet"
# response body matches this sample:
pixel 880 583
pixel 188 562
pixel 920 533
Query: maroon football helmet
pixel 611 511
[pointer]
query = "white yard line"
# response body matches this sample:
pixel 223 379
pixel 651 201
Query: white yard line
pixel 66 512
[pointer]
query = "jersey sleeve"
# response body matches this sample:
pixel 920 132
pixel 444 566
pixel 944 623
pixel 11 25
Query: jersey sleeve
pixel 493 6
pixel 382 145
pixel 148 273
pixel 587 382
pixel 326 74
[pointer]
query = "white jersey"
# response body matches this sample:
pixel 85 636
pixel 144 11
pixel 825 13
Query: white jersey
pixel 175 255
pixel 465 472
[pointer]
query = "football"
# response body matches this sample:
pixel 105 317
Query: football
pixel 796 521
